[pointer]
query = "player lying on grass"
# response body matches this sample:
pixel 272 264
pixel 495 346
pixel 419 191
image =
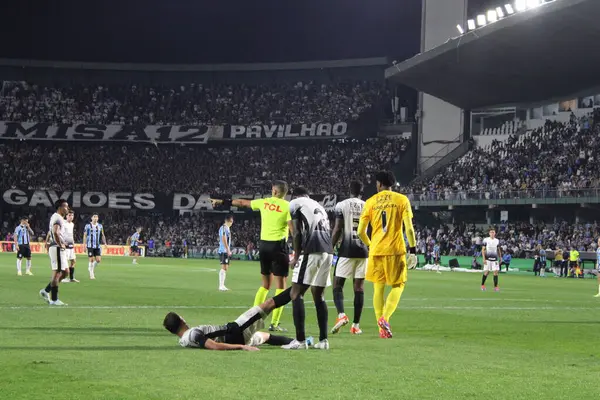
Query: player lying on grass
pixel 242 334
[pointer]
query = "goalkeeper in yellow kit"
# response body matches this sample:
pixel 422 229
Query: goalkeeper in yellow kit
pixel 388 213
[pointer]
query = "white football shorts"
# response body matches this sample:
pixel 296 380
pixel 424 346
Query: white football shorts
pixel 313 270
pixel 491 266
pixel 351 268
pixel 58 258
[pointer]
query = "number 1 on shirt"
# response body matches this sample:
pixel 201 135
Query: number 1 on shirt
pixel 384 221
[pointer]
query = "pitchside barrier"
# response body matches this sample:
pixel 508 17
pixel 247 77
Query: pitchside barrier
pixel 40 248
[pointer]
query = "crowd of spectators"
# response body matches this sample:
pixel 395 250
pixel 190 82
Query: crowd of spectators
pixel 556 160
pixel 322 166
pixel 520 239
pixel 191 104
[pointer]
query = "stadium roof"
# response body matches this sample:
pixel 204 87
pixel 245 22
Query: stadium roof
pixel 542 54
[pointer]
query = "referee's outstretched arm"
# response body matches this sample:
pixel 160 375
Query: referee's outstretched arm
pixel 235 203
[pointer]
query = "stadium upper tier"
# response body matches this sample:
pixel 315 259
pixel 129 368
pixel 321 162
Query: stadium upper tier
pixel 190 104
pixel 324 167
pixel 557 160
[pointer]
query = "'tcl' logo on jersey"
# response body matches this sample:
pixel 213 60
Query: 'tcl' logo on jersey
pixel 272 207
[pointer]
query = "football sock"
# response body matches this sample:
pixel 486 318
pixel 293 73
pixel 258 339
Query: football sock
pixel 598 288
pixel 391 303
pixel 495 280
pixel 19 265
pixel 54 293
pixel 322 316
pixel 378 301
pixel 359 301
pixel 338 299
pixel 299 318
pixel 222 274
pixel 283 298
pixel 94 265
pixel 48 288
pixel 483 278
pixel 261 296
pixel 278 340
pixel 72 272
pixel 90 266
pixel 28 265
pixel 279 310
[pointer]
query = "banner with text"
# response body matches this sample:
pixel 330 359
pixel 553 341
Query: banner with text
pixel 164 134
pixel 80 249
pixel 133 201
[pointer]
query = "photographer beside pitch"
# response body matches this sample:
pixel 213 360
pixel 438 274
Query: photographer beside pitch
pixel 276 222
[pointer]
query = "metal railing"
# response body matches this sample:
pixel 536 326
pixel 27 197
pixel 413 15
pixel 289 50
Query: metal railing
pixel 526 196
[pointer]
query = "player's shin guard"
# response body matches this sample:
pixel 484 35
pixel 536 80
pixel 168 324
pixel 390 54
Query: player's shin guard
pixel 299 318
pixel 278 340
pixel 391 303
pixel 261 296
pixel 276 317
pixel 359 302
pixel 495 280
pixel 322 316
pixel 378 301
pixel 338 299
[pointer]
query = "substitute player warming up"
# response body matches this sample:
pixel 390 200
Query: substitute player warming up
pixel 352 258
pixel 56 252
pixel 389 214
pixel 490 251
pixel 241 334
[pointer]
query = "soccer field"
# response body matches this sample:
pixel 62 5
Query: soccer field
pixel 537 338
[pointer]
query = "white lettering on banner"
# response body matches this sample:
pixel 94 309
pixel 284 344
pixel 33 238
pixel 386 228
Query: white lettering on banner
pixel 127 133
pixel 187 202
pixel 329 202
pixel 287 131
pixel 117 200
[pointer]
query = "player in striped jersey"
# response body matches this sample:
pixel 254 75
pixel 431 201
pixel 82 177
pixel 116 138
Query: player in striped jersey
pixel 56 252
pixel 134 242
pixel 224 250
pixel 352 258
pixel 93 236
pixel 23 234
pixel 70 250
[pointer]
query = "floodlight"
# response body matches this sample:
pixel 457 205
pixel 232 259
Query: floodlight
pixel 509 9
pixel 471 24
pixel 533 3
pixel 499 12
pixel 481 21
pixel 521 5
pixel 492 16
pixel 460 29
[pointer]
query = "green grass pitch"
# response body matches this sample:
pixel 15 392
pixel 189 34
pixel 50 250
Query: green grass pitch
pixel 536 339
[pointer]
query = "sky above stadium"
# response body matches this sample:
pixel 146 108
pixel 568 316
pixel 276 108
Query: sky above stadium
pixel 185 31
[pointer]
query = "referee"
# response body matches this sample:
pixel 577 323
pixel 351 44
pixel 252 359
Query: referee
pixel 23 234
pixel 273 251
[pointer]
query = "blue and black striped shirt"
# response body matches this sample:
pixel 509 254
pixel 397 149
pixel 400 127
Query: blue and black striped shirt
pixel 22 235
pixel 94 235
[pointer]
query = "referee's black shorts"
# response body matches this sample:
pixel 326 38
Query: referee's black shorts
pixel 274 258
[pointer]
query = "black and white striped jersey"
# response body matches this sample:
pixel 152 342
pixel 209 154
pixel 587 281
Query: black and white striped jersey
pixel 316 233
pixel 349 212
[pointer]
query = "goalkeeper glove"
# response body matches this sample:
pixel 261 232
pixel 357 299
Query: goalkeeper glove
pixel 411 259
